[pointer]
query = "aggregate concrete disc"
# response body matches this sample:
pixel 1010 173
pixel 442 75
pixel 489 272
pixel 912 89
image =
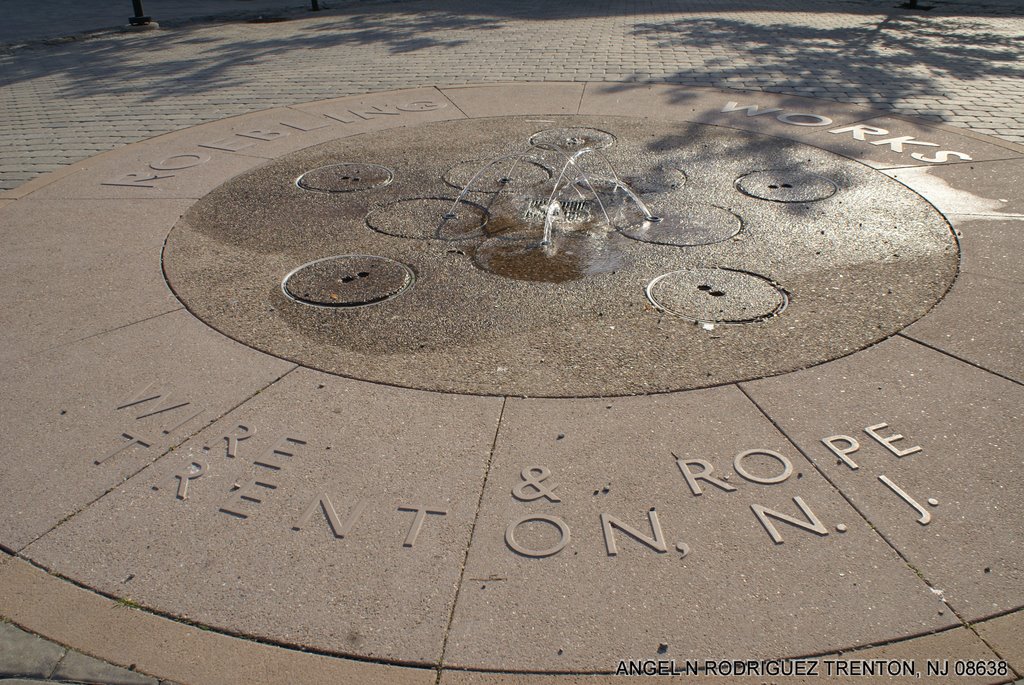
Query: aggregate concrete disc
pixel 860 264
pixel 792 441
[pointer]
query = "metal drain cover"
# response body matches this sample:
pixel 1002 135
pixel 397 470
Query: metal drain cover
pixel 686 225
pixel 786 185
pixel 574 138
pixel 345 178
pixel 489 177
pixel 717 295
pixel 429 218
pixel 347 281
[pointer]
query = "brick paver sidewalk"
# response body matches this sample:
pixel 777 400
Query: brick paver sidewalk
pixel 958 62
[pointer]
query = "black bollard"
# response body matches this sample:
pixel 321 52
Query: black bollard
pixel 140 18
pixel 316 5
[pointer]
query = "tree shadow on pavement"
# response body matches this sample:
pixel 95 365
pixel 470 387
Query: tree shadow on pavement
pixel 878 58
pixel 191 59
pixel 897 55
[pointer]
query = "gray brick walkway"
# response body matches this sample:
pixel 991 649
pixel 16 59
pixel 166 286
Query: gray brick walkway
pixel 957 63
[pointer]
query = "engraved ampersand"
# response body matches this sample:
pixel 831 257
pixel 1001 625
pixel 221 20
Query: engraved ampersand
pixel 533 488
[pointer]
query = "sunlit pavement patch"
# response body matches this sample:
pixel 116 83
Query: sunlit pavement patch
pixel 799 412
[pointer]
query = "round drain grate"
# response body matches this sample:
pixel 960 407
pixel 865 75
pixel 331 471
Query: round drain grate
pixel 717 295
pixel 786 185
pixel 429 218
pixel 685 225
pixel 347 281
pixel 493 177
pixel 345 178
pixel 573 139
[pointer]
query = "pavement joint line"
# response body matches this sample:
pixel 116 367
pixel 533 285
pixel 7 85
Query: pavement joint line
pixel 133 606
pixel 920 574
pixel 946 164
pixel 37 353
pixel 971 626
pixel 145 466
pixel 453 103
pixel 28 629
pixel 982 274
pixel 802 657
pixel 469 542
pixel 976 365
pixel 56 665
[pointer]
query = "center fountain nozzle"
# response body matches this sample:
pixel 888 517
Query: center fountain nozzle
pixel 571 177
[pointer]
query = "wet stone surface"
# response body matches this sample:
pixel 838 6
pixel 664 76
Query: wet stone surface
pixel 535 281
pixel 686 225
pixel 347 281
pixel 489 176
pixel 569 257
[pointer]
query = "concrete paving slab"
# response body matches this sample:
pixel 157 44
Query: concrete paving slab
pixel 886 142
pixel 668 102
pixel 121 399
pixel 991 246
pixel 494 100
pixel 925 447
pixel 230 521
pixel 1008 142
pixel 940 650
pixel 980 321
pixel 38 182
pixel 266 133
pixel 162 169
pixel 273 132
pixel 23 653
pixel 976 188
pixel 78 667
pixel 1006 636
pixel 340 526
pixel 379 111
pixel 940 657
pixel 177 651
pixel 784 115
pixel 75 268
pixel 590 494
